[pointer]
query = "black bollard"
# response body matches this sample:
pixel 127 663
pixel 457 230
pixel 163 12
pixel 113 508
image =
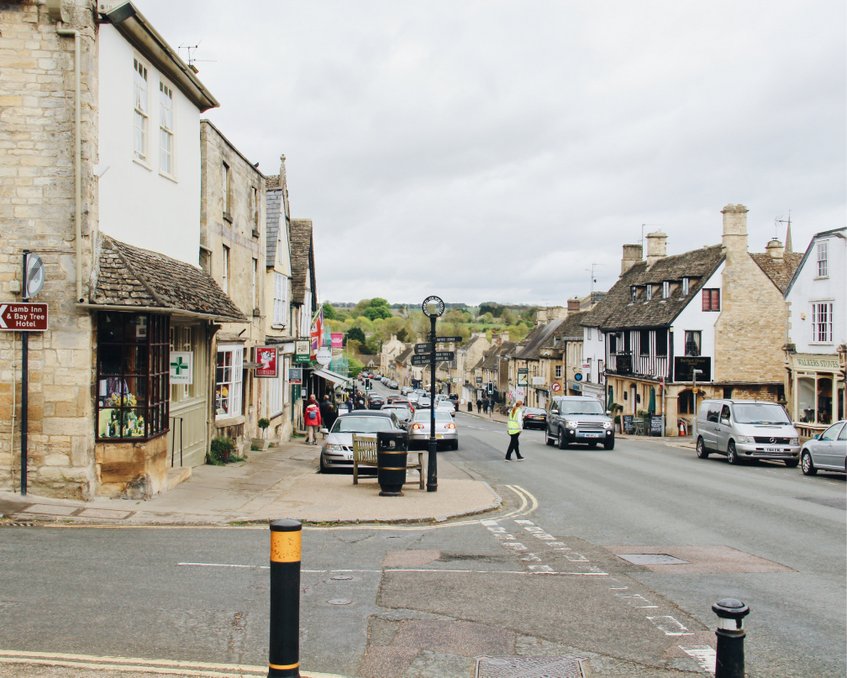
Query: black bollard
pixel 729 662
pixel 284 647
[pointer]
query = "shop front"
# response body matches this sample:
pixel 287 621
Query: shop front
pixel 817 397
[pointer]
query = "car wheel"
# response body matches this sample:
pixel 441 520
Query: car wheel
pixel 455 444
pixel 592 444
pixel 808 467
pixel 732 453
pixel 563 441
pixel 702 452
pixel 610 444
pixel 323 469
pixel 547 439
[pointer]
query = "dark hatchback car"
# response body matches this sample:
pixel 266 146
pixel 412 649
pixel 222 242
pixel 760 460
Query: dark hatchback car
pixel 375 401
pixel 534 417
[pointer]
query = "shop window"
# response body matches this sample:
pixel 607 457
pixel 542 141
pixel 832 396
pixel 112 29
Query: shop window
pixel 228 380
pixel 182 339
pixel 132 376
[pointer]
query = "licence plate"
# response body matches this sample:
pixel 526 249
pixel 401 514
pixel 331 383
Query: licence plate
pixel 591 435
pixel 775 449
pixel 439 435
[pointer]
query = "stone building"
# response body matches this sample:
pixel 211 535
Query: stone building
pixel 706 323
pixel 99 174
pixel 234 252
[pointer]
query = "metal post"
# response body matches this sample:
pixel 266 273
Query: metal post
pixel 694 373
pixel 284 647
pixel 432 457
pixel 729 662
pixel 24 386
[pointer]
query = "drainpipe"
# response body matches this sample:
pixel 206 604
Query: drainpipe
pixel 67 33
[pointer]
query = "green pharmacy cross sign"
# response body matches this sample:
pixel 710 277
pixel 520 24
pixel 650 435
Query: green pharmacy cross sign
pixel 182 367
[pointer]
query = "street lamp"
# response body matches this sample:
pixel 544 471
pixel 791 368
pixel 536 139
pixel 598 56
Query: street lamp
pixel 433 308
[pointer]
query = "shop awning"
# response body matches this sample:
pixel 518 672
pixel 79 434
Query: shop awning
pixel 334 377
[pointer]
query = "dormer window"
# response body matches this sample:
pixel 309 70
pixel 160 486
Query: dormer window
pixel 633 293
pixel 666 289
pixel 685 286
pixel 648 291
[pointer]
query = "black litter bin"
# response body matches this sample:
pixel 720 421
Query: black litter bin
pixel 470 406
pixel 391 450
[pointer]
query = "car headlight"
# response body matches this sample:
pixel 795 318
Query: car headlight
pixel 746 439
pixel 570 423
pixel 793 441
pixel 331 447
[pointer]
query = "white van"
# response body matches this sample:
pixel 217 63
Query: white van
pixel 747 429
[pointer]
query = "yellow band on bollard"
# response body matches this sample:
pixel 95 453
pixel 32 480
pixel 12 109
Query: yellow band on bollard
pixel 286 547
pixel 281 667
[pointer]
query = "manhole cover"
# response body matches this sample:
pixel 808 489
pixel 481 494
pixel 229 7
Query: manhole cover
pixel 529 667
pixel 652 559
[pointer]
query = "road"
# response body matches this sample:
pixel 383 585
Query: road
pixel 544 576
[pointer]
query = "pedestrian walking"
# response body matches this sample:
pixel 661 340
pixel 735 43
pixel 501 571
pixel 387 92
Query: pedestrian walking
pixel 328 413
pixel 513 427
pixel 478 405
pixel 312 416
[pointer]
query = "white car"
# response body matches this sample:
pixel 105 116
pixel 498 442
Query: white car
pixel 337 450
pixel 446 434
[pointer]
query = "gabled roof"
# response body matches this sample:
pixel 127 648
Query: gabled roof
pixel 302 260
pixel 404 355
pixel 617 311
pixel 138 278
pixel 571 328
pixel 780 271
pixel 537 339
pixel 839 232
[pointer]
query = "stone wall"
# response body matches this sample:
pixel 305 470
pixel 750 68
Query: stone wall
pixel 751 330
pixel 37 213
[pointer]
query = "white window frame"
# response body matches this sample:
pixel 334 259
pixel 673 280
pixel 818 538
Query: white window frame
pixel 226 191
pixel 648 291
pixel 254 283
pixel 685 286
pixel 229 376
pixel 280 306
pixel 167 164
pixel 666 289
pixel 273 395
pixel 822 252
pixel 558 372
pixel 822 322
pixel 141 110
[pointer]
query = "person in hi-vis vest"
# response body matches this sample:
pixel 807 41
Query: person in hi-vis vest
pixel 513 427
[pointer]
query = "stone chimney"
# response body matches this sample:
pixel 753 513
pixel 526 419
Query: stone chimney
pixel 657 247
pixel 734 229
pixel 631 256
pixel 775 249
pixel 573 305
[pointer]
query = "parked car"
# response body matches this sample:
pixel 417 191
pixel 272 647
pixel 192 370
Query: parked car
pixel 534 417
pixel 393 385
pixel 578 419
pixel 446 434
pixel 337 449
pixel 401 410
pixel 424 401
pixel 827 451
pixel 746 429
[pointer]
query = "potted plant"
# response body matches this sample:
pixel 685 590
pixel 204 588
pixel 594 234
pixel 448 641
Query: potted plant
pixel 261 443
pixel 220 450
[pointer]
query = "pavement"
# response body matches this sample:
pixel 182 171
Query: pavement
pixel 280 482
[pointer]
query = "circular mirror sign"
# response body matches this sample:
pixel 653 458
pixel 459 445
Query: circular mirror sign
pixel 433 306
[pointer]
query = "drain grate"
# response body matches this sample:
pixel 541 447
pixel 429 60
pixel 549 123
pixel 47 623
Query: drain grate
pixel 652 559
pixel 529 667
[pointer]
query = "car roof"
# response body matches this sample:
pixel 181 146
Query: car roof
pixel 365 413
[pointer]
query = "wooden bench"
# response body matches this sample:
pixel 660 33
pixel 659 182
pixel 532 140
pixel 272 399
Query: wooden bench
pixel 365 453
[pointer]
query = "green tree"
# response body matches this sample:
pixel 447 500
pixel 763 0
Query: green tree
pixel 377 308
pixel 356 334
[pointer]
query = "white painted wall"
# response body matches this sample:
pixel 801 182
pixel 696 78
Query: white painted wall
pixel 137 204
pixel 594 347
pixel 808 288
pixel 693 318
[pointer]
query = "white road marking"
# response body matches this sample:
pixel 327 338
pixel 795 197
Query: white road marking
pixel 670 626
pixel 704 655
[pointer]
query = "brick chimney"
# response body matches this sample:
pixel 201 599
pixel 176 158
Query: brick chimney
pixel 734 229
pixel 631 256
pixel 657 247
pixel 573 305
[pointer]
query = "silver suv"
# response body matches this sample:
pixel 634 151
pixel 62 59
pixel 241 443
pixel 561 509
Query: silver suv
pixel 578 419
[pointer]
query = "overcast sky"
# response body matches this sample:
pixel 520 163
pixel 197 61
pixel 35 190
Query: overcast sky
pixel 495 151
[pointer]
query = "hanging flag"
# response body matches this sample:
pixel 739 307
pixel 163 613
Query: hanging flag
pixel 317 331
